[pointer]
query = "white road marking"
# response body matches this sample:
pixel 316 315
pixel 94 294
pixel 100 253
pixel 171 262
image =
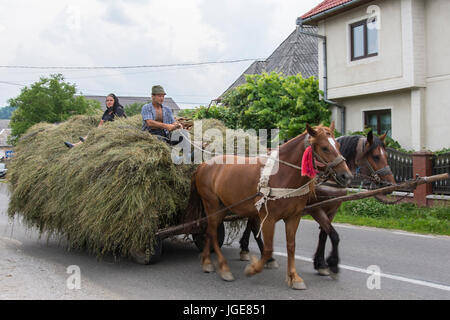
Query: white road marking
pixel 397 232
pixel 11 241
pixel 384 275
pixel 413 235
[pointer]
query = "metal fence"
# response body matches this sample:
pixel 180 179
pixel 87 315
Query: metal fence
pixel 441 164
pixel 401 164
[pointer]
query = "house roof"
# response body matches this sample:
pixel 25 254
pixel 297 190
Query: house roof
pixel 324 6
pixel 169 102
pixel 298 53
pixel 4 134
pixel 328 8
pixel 4 124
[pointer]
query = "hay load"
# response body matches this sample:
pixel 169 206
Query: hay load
pixel 110 194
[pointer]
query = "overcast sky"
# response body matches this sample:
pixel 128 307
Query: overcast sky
pixel 141 32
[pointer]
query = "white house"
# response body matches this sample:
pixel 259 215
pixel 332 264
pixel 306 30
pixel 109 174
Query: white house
pixel 387 66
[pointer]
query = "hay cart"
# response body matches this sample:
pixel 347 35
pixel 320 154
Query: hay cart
pixel 197 228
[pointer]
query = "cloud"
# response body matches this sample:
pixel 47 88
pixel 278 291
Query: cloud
pixel 142 32
pixel 116 14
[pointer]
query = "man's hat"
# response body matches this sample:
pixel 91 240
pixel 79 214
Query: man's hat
pixel 157 90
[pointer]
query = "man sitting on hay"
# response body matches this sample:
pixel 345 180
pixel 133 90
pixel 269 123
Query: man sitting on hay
pixel 159 121
pixel 157 118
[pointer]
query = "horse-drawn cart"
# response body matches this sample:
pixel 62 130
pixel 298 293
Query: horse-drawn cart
pixel 197 227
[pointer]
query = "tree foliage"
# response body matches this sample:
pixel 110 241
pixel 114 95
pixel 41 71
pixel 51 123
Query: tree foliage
pixel 272 101
pixel 48 100
pixel 133 109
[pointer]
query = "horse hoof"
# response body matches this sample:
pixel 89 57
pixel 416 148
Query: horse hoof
pixel 324 272
pixel 334 276
pixel 208 268
pixel 272 264
pixel 227 276
pixel 245 256
pixel 298 285
pixel 249 270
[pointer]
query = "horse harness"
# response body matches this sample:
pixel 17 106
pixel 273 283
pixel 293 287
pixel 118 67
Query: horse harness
pixel 271 194
pixel 361 162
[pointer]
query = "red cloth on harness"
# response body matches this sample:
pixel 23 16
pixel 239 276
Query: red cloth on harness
pixel 307 163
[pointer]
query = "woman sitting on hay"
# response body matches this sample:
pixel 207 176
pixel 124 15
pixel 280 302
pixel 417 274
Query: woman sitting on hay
pixel 113 109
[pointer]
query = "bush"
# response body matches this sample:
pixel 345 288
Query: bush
pixel 49 100
pixel 133 109
pixel 272 101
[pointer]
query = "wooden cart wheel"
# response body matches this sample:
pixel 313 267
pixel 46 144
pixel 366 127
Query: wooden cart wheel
pixel 199 238
pixel 143 257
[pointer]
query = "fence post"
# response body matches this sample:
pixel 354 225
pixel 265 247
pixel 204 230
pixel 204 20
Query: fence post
pixel 422 165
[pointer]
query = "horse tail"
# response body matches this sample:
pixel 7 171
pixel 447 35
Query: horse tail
pixel 194 208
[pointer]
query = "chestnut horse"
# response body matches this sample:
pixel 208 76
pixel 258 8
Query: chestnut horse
pixel 365 156
pixel 226 180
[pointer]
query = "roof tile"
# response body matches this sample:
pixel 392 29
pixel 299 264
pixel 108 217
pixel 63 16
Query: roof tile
pixel 324 6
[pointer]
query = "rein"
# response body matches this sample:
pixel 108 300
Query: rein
pixel 362 162
pixel 271 194
pixel 329 171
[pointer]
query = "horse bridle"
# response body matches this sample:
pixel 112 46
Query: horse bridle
pixel 362 162
pixel 329 170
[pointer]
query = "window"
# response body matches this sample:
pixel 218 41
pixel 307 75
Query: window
pixel 364 39
pixel 379 121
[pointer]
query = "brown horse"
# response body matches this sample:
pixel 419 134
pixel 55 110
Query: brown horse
pixel 365 156
pixel 225 181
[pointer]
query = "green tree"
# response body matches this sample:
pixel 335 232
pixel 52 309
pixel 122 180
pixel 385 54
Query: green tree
pixel 48 100
pixel 133 109
pixel 272 101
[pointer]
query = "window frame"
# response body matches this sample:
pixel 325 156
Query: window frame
pixel 378 113
pixel 365 40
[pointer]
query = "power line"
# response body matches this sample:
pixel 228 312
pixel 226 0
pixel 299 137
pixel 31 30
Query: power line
pixel 132 67
pixel 12 83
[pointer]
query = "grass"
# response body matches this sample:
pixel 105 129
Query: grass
pixel 405 216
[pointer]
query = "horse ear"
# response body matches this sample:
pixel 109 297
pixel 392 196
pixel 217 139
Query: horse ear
pixel 311 131
pixel 332 126
pixel 370 137
pixel 383 137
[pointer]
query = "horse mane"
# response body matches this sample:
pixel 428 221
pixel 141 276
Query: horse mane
pixel 349 145
pixel 319 127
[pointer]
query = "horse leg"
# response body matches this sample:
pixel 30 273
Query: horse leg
pixel 271 263
pixel 213 221
pixel 205 257
pixel 319 257
pixel 257 266
pixel 333 259
pixel 244 254
pixel 326 228
pixel 293 279
pixel 205 260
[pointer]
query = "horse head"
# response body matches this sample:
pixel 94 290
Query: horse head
pixel 327 154
pixel 372 159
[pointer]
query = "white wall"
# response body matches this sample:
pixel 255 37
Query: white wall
pixel 399 102
pixel 437 115
pixel 376 74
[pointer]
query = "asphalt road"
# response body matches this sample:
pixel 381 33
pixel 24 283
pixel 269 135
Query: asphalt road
pixel 411 267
